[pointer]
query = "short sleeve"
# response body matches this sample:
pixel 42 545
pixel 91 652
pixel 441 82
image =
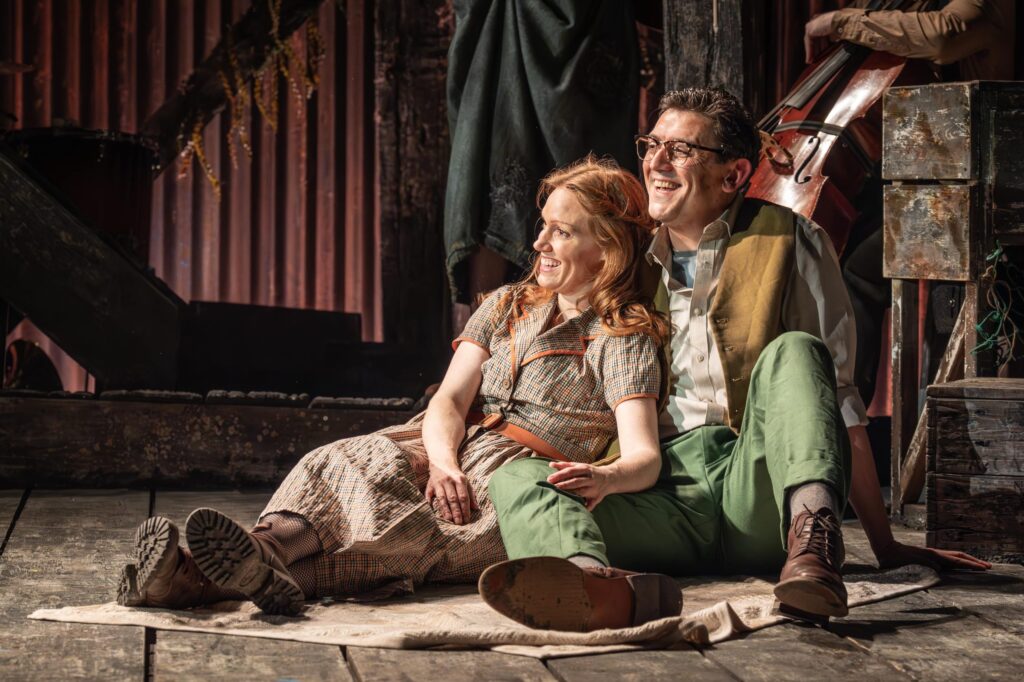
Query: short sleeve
pixel 630 368
pixel 483 322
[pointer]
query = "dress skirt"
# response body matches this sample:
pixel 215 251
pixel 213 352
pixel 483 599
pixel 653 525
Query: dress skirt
pixel 364 498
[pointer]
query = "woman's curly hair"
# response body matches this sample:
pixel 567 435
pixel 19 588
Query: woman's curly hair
pixel 616 204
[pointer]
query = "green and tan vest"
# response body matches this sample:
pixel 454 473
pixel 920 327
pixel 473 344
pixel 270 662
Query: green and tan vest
pixel 746 313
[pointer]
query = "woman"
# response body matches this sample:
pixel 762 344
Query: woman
pixel 554 367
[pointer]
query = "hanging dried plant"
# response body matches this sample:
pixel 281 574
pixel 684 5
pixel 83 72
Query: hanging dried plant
pixel 302 75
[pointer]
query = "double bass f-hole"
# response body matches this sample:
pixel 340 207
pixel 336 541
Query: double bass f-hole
pixel 815 143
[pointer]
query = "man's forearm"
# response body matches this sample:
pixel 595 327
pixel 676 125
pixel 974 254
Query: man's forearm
pixel 866 493
pixel 943 36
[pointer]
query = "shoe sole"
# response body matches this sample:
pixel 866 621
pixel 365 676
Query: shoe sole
pixel 554 594
pixel 228 556
pixel 155 545
pixel 811 597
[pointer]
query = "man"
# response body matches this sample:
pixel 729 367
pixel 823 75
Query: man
pixel 763 438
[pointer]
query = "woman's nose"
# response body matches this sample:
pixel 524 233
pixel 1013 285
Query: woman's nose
pixel 541 243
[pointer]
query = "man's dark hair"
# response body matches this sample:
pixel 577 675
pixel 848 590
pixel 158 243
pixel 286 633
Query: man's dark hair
pixel 733 126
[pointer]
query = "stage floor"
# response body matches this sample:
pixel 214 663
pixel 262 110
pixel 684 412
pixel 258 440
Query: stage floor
pixel 65 548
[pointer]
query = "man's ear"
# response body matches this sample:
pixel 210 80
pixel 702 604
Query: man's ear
pixel 737 176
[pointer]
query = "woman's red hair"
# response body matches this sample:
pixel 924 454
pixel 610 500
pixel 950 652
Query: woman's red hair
pixel 616 205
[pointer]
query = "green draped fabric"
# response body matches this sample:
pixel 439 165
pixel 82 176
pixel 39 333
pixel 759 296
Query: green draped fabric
pixel 531 86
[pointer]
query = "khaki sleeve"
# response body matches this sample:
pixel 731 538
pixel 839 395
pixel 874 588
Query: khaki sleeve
pixel 482 323
pixel 817 303
pixel 945 36
pixel 630 368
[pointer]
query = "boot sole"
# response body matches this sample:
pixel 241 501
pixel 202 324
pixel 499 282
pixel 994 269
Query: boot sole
pixel 228 556
pixel 155 546
pixel 811 597
pixel 554 594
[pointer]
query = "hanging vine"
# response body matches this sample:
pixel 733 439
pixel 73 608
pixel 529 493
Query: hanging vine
pixel 282 62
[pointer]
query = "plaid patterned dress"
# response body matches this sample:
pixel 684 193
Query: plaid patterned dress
pixel 364 495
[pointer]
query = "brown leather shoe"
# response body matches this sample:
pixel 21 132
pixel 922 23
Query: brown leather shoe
pixel 239 560
pixel 810 581
pixel 555 594
pixel 163 574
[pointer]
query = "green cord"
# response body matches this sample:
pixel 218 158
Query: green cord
pixel 999 329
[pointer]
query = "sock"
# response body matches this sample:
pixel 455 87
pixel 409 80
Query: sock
pixel 294 538
pixel 304 574
pixel 586 561
pixel 813 496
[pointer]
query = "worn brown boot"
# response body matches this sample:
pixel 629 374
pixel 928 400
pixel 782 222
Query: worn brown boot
pixel 163 575
pixel 810 581
pixel 239 560
pixel 555 594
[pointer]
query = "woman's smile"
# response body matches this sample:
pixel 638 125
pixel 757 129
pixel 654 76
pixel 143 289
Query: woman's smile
pixel 568 255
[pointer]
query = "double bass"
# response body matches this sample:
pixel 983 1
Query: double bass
pixel 823 141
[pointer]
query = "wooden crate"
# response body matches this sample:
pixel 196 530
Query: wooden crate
pixel 975 476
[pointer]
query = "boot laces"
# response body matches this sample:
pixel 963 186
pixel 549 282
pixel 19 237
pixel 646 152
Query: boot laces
pixel 818 535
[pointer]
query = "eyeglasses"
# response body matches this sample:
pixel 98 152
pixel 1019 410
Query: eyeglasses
pixel 678 151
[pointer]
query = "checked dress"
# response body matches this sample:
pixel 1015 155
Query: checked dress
pixel 364 495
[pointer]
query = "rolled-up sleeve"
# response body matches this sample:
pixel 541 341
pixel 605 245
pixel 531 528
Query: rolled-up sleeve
pixel 945 36
pixel 630 368
pixel 482 323
pixel 817 303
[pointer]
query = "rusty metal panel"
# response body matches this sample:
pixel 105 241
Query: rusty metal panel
pixel 927 232
pixel 926 133
pixel 288 230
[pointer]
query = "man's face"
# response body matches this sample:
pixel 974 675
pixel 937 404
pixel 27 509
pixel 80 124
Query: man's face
pixel 676 192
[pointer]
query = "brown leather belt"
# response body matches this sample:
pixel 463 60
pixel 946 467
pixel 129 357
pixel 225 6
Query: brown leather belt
pixel 497 423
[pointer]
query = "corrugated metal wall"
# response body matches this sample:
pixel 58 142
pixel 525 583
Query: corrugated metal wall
pixel 295 226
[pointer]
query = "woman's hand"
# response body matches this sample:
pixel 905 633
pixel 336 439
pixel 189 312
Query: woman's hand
pixel 897 554
pixel 586 480
pixel 449 493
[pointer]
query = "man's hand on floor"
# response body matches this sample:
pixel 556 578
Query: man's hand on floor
pixel 899 554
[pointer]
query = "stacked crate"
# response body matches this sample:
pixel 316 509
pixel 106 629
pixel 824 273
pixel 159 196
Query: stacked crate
pixel 975 480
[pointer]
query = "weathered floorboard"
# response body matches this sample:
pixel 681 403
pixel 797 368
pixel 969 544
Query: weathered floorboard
pixel 639 666
pixel 67 549
pixel 920 636
pixel 195 656
pixel 778 652
pixel 386 665
pixel 997 596
pixel 941 633
pixel 9 501
pixel 184 656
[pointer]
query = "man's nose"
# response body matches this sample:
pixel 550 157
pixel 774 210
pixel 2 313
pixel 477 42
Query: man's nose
pixel 659 157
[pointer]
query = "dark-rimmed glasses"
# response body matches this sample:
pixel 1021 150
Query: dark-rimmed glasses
pixel 679 151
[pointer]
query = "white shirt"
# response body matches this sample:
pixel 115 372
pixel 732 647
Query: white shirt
pixel 815 302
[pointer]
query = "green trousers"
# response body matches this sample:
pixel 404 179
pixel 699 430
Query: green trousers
pixel 720 502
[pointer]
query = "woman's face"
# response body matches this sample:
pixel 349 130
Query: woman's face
pixel 569 257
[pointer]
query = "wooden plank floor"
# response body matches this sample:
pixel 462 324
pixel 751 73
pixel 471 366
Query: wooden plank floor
pixel 65 547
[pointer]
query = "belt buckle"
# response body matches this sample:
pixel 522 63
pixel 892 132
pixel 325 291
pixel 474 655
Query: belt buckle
pixel 491 420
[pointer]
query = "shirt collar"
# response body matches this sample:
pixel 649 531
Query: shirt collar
pixel 660 250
